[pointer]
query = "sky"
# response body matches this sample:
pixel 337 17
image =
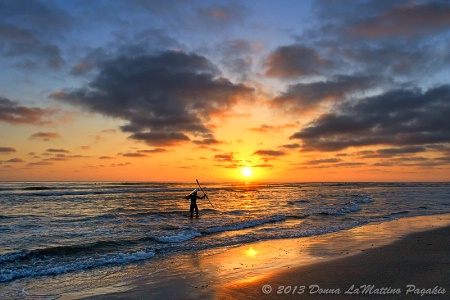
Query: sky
pixel 260 91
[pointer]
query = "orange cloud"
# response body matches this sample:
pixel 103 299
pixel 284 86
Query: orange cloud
pixel 45 136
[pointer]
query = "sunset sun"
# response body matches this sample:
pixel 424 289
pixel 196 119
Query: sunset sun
pixel 247 172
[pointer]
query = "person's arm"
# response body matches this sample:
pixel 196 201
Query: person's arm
pixel 203 197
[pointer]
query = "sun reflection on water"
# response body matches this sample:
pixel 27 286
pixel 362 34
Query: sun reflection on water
pixel 251 252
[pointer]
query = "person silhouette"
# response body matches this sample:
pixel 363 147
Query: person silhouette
pixel 193 197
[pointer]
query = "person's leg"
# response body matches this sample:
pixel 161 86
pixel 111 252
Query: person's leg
pixel 191 209
pixel 196 211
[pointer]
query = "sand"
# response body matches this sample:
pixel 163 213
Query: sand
pixel 401 259
pixel 418 264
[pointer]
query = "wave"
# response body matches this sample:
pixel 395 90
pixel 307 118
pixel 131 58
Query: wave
pixel 7 217
pixel 337 209
pixel 73 250
pixel 296 202
pixel 79 264
pixel 181 236
pixel 37 188
pixel 243 225
pixel 362 199
pixel 404 212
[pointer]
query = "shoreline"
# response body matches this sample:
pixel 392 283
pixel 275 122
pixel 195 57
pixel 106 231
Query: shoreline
pixel 240 272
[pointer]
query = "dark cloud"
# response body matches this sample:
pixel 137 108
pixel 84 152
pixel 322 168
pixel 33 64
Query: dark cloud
pixel 13 113
pixel 412 19
pixel 302 97
pixel 40 16
pixel 40 163
pixel 165 98
pixel 155 150
pixel 272 153
pixel 291 146
pixel 402 150
pixel 29 30
pixel 45 136
pixel 133 154
pixel 208 142
pixel 295 61
pixel 398 118
pixel 7 150
pixel 14 160
pixel 388 39
pixel 53 150
pixel 224 157
pixel 106 157
pixel 19 42
pixel 322 161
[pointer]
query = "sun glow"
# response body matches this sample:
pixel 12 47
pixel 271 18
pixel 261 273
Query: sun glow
pixel 247 172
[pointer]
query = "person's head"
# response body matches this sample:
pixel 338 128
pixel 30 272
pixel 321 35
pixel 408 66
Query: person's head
pixel 194 192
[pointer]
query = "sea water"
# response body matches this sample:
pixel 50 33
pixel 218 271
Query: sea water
pixel 57 229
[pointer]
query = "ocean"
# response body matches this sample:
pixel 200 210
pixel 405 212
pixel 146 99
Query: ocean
pixel 55 231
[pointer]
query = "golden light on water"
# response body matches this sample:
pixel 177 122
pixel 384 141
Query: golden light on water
pixel 251 252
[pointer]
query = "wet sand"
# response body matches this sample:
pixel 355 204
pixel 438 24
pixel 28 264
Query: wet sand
pixel 406 269
pixel 402 259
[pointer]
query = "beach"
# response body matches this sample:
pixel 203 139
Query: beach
pixel 404 258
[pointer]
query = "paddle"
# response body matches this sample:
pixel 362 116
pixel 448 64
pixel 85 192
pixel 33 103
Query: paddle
pixel 204 192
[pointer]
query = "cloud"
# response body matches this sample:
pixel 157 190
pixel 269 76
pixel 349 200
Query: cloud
pixel 269 153
pixel 265 128
pixel 45 136
pixel 165 98
pixel 20 42
pixel 28 30
pixel 52 150
pixel 155 150
pixel 412 19
pixel 322 161
pixel 133 154
pixel 208 142
pixel 40 163
pixel 221 15
pixel 106 157
pixel 402 150
pixel 404 117
pixel 295 61
pixel 225 157
pixel 304 97
pixel 238 56
pixel 269 166
pixel 14 160
pixel 291 146
pixel 139 153
pixel 12 112
pixel 386 38
pixel 7 150
pixel 82 67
